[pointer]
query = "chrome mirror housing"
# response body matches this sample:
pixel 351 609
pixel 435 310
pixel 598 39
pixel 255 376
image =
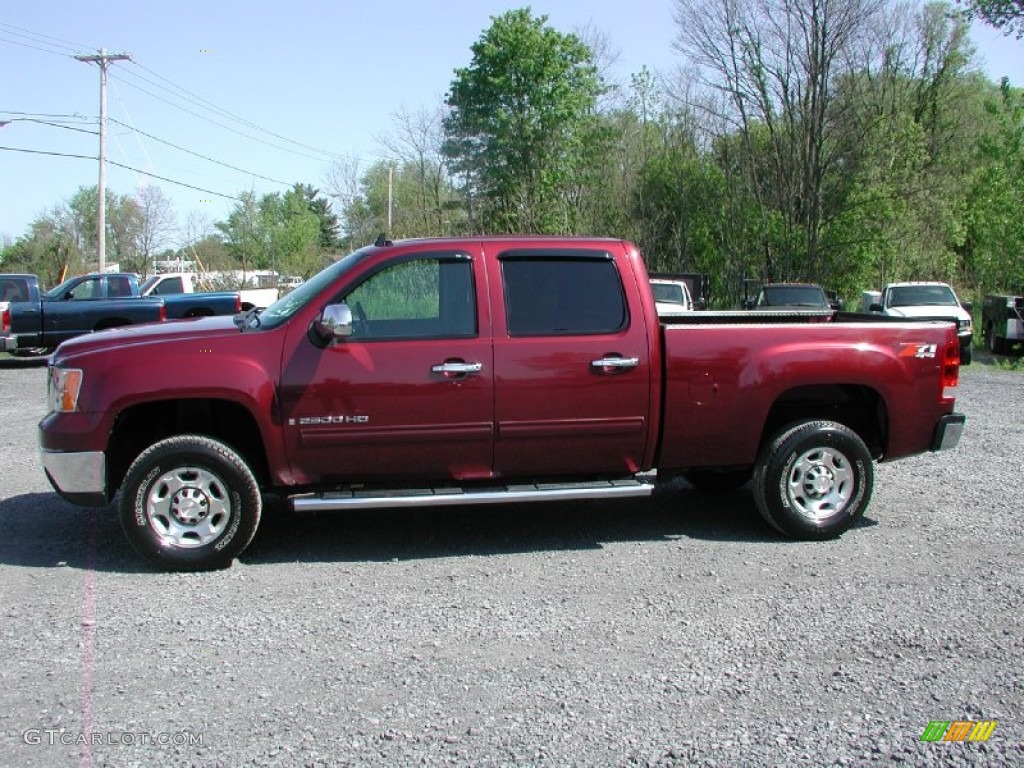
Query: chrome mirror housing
pixel 335 322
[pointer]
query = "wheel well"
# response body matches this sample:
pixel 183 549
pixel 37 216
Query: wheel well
pixel 859 408
pixel 140 426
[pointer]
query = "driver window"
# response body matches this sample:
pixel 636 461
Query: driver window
pixel 87 289
pixel 415 299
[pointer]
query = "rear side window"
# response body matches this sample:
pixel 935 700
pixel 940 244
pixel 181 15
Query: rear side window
pixel 552 295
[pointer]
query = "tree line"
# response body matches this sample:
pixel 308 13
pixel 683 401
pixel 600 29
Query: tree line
pixel 844 142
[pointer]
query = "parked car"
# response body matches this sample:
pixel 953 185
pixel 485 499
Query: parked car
pixel 39 321
pixel 173 284
pixel 787 296
pixel 1002 322
pixel 671 296
pixel 925 300
pixel 478 371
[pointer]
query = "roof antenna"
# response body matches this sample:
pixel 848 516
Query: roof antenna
pixel 381 240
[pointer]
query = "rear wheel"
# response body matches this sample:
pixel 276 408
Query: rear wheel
pixel 813 480
pixel 190 503
pixel 995 345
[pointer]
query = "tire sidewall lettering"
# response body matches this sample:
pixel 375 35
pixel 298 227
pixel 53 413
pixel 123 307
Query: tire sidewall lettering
pixel 858 498
pixel 236 521
pixel 787 467
pixel 141 518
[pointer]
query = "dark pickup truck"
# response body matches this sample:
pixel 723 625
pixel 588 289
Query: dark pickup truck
pixel 41 320
pixel 483 370
pixel 38 321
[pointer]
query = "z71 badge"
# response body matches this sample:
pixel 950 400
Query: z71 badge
pixel 305 421
pixel 918 350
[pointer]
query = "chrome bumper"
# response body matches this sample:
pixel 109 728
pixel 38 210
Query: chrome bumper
pixel 78 477
pixel 8 343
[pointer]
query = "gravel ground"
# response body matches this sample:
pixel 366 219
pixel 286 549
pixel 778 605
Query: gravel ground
pixel 674 631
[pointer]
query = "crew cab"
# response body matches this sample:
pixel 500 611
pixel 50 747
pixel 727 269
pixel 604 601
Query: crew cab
pixel 928 301
pixel 39 321
pixel 478 371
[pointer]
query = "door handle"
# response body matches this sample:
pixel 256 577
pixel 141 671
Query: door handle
pixel 455 369
pixel 610 364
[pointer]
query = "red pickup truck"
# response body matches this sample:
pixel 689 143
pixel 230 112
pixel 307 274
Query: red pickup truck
pixel 481 370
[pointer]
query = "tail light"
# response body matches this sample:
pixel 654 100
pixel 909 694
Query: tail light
pixel 950 371
pixel 5 319
pixel 238 303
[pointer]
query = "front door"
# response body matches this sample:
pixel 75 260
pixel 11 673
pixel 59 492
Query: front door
pixel 410 393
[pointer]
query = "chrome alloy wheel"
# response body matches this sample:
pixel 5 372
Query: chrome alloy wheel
pixel 820 484
pixel 188 507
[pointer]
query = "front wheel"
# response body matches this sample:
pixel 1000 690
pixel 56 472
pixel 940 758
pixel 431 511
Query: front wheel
pixel 190 503
pixel 813 480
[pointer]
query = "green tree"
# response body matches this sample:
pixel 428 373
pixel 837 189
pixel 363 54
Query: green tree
pixel 1004 15
pixel 521 125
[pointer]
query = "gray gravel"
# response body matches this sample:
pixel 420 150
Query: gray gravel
pixel 674 631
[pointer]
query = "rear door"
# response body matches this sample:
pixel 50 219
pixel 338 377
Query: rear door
pixel 571 363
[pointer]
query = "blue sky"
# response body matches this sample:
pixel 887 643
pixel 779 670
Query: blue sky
pixel 297 85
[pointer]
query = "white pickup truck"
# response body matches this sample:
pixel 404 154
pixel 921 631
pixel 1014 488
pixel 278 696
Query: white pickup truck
pixel 671 297
pixel 925 301
pixel 171 283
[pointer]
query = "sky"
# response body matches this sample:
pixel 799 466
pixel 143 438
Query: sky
pixel 257 96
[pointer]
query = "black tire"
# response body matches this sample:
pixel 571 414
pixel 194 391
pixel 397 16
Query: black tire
pixel 718 479
pixel 190 503
pixel 813 480
pixel 965 355
pixel 995 345
pixel 32 351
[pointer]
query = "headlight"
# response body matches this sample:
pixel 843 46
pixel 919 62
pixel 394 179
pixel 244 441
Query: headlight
pixel 965 325
pixel 62 389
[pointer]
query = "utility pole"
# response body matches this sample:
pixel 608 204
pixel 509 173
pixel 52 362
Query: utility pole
pixel 103 59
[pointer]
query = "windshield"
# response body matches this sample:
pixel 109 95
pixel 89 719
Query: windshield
pixel 668 292
pixel 59 290
pixel 293 301
pixel 922 295
pixel 792 296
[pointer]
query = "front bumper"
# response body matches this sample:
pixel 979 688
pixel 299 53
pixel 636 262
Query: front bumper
pixel 78 477
pixel 948 431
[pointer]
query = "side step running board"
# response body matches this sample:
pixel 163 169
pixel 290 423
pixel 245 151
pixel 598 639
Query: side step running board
pixel 435 497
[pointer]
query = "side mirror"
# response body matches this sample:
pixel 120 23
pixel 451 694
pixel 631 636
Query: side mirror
pixel 968 306
pixel 875 308
pixel 335 322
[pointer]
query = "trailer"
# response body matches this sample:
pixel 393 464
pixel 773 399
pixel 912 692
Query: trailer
pixel 1002 322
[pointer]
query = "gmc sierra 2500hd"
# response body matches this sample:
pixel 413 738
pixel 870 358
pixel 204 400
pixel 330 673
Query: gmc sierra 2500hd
pixel 482 370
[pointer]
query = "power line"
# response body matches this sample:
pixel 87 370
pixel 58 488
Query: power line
pixel 120 165
pixel 197 154
pixel 47 122
pixel 221 125
pixel 33 47
pixel 27 32
pixel 231 115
